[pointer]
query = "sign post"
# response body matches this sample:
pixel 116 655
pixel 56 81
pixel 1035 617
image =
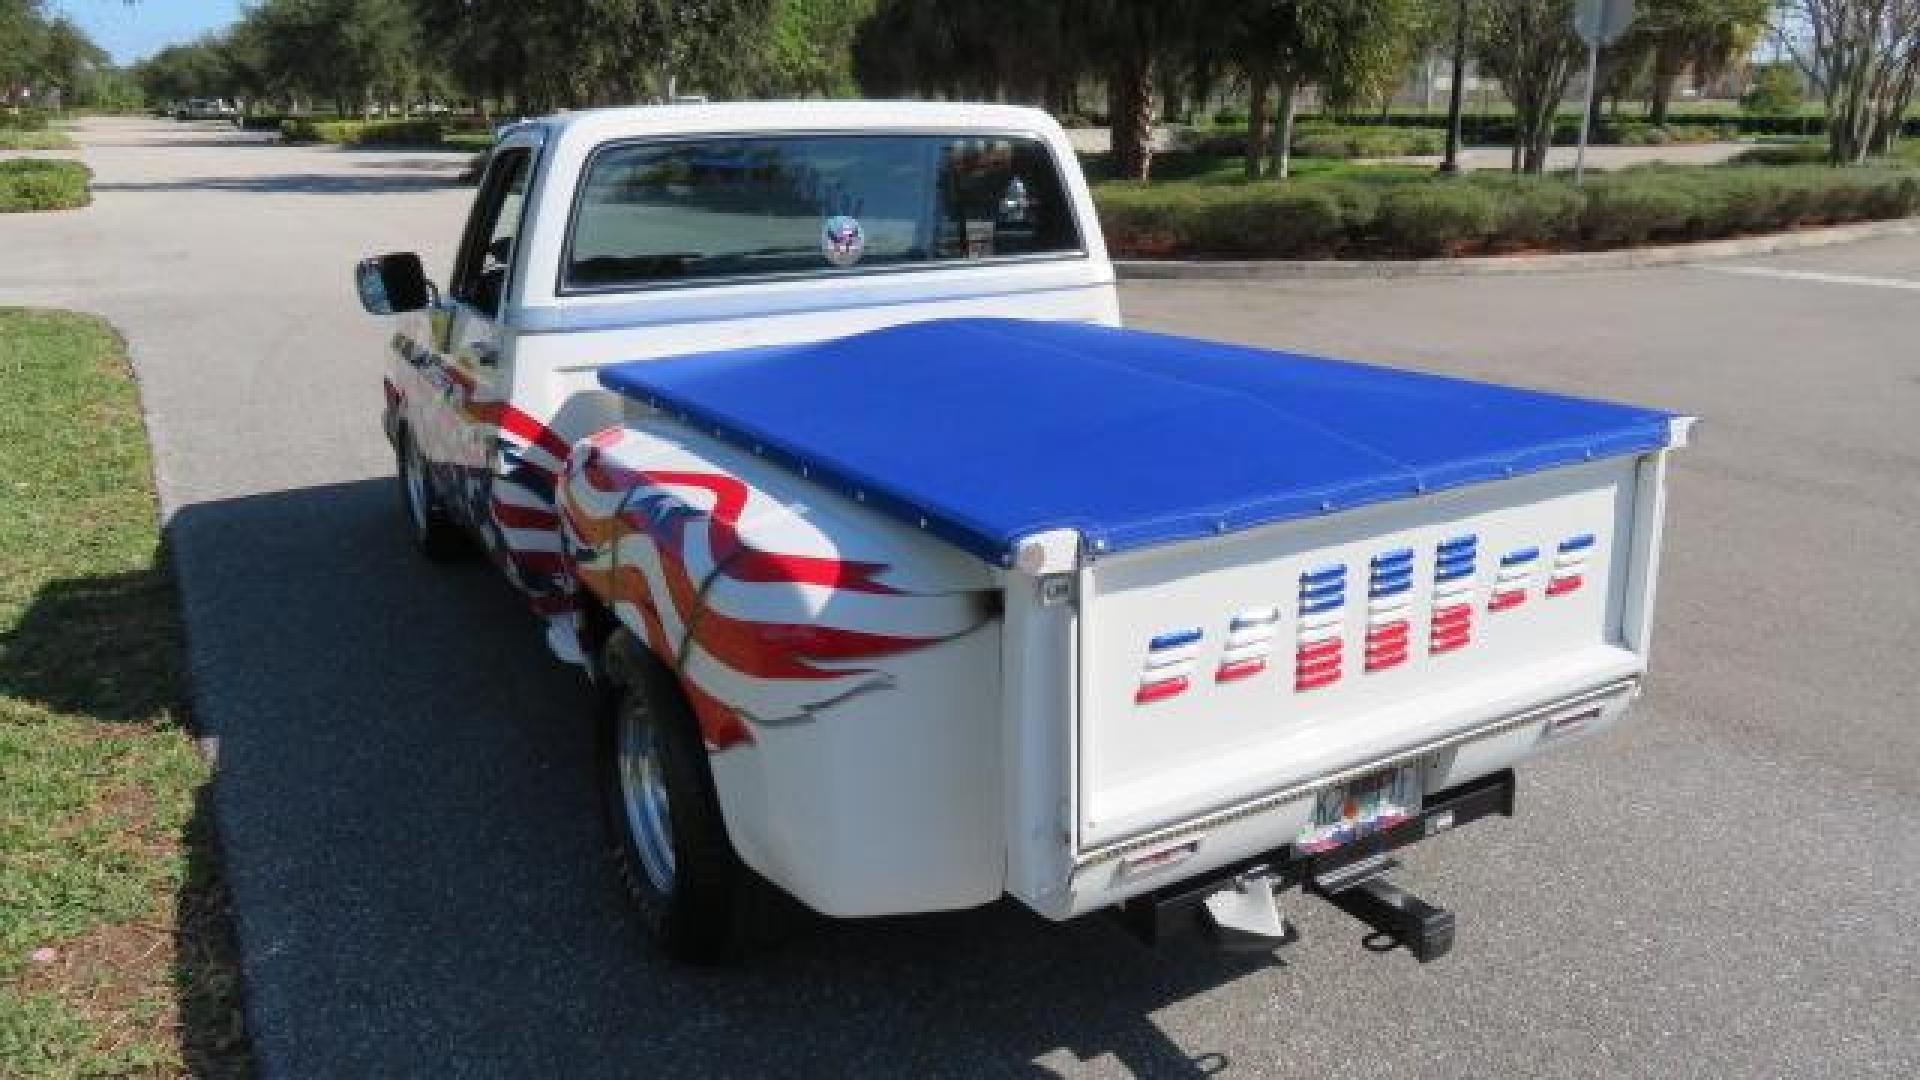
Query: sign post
pixel 1598 22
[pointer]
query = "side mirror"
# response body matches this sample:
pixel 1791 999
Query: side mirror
pixel 391 284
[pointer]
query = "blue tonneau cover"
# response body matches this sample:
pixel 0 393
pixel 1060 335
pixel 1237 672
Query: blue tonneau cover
pixel 985 431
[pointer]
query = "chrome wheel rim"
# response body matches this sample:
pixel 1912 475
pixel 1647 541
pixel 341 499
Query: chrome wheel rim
pixel 643 793
pixel 416 480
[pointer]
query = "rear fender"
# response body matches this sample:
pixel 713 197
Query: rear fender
pixel 843 667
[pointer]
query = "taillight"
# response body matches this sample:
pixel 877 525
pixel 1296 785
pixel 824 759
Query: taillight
pixel 1249 642
pixel 1323 601
pixel 1450 626
pixel 1510 584
pixel 1168 668
pixel 1570 564
pixel 1389 606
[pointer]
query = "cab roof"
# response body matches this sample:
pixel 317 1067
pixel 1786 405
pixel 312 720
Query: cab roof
pixel 598 125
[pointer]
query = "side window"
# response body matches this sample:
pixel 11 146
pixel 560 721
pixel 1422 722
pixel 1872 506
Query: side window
pixel 486 251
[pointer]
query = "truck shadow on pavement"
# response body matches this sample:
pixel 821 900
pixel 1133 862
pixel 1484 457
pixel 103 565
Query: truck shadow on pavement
pixel 413 848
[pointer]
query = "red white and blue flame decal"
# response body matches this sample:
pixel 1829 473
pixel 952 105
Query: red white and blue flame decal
pixel 759 636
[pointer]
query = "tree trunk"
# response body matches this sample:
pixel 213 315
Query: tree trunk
pixel 1540 140
pixel 1259 83
pixel 1456 91
pixel 1283 137
pixel 1667 62
pixel 1130 116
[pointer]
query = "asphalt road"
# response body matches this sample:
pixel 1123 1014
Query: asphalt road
pixel 1725 886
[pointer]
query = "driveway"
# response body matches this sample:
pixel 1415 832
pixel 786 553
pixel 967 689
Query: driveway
pixel 1725 886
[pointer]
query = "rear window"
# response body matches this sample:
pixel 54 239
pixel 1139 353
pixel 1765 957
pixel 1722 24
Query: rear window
pixel 660 213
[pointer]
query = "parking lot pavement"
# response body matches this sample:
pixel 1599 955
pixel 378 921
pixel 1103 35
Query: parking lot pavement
pixel 1725 886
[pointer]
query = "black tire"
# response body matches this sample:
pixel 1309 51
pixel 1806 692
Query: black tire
pixel 696 913
pixel 432 530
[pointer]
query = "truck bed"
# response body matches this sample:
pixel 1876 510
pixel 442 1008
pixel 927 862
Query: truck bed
pixel 986 431
pixel 1260 577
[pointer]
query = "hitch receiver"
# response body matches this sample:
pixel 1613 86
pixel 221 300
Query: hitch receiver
pixel 1425 930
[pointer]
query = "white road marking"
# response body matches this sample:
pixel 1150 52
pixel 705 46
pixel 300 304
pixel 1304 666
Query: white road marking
pixel 1814 275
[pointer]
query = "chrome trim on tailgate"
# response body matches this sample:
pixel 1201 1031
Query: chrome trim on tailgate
pixel 1399 757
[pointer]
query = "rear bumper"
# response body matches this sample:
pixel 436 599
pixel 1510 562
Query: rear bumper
pixel 1175 908
pixel 1203 847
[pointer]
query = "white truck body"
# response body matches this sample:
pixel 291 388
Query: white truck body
pixel 896 722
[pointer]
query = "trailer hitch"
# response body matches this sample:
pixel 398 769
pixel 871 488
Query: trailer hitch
pixel 1364 892
pixel 1235 903
pixel 1245 916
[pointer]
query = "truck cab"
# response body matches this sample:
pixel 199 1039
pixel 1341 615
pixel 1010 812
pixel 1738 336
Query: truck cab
pixel 624 234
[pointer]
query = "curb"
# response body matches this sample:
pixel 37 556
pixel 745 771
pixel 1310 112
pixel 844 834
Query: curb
pixel 1503 265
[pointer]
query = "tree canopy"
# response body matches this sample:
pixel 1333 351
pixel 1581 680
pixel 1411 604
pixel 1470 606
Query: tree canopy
pixel 47 59
pixel 1133 62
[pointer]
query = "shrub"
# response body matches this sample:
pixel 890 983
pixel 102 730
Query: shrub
pixel 1667 134
pixel 1775 91
pixel 1222 144
pixel 362 132
pixel 1533 212
pixel 1313 140
pixel 42 184
pixel 1251 220
pixel 25 119
pixel 1227 118
pixel 1633 208
pixel 14 139
pixel 1735 201
pixel 1386 212
pixel 1786 154
pixel 1435 218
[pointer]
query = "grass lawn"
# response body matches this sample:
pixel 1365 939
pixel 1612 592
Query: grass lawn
pixel 474 141
pixel 115 949
pixel 51 139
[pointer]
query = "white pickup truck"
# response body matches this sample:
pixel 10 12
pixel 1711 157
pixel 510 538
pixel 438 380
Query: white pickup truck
pixel 914 581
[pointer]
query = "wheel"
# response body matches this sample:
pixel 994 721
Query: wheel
pixel 429 526
pixel 668 842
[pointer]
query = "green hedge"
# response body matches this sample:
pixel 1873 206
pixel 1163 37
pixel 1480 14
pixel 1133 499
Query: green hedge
pixel 14 139
pixel 1498 127
pixel 363 132
pixel 1784 154
pixel 1667 134
pixel 43 184
pixel 1315 139
pixel 1400 216
pixel 25 119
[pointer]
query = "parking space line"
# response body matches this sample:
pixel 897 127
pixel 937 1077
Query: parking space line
pixel 1815 275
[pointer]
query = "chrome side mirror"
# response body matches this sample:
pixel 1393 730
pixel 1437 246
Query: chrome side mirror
pixel 391 284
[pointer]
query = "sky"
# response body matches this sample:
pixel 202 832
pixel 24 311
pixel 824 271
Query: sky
pixel 134 31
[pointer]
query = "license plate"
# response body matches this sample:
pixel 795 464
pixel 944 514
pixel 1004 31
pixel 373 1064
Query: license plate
pixel 1362 807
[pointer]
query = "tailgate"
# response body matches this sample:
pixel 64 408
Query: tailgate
pixel 1217 671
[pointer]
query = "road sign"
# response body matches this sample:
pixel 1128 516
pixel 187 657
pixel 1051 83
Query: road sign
pixel 1598 22
pixel 1601 22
